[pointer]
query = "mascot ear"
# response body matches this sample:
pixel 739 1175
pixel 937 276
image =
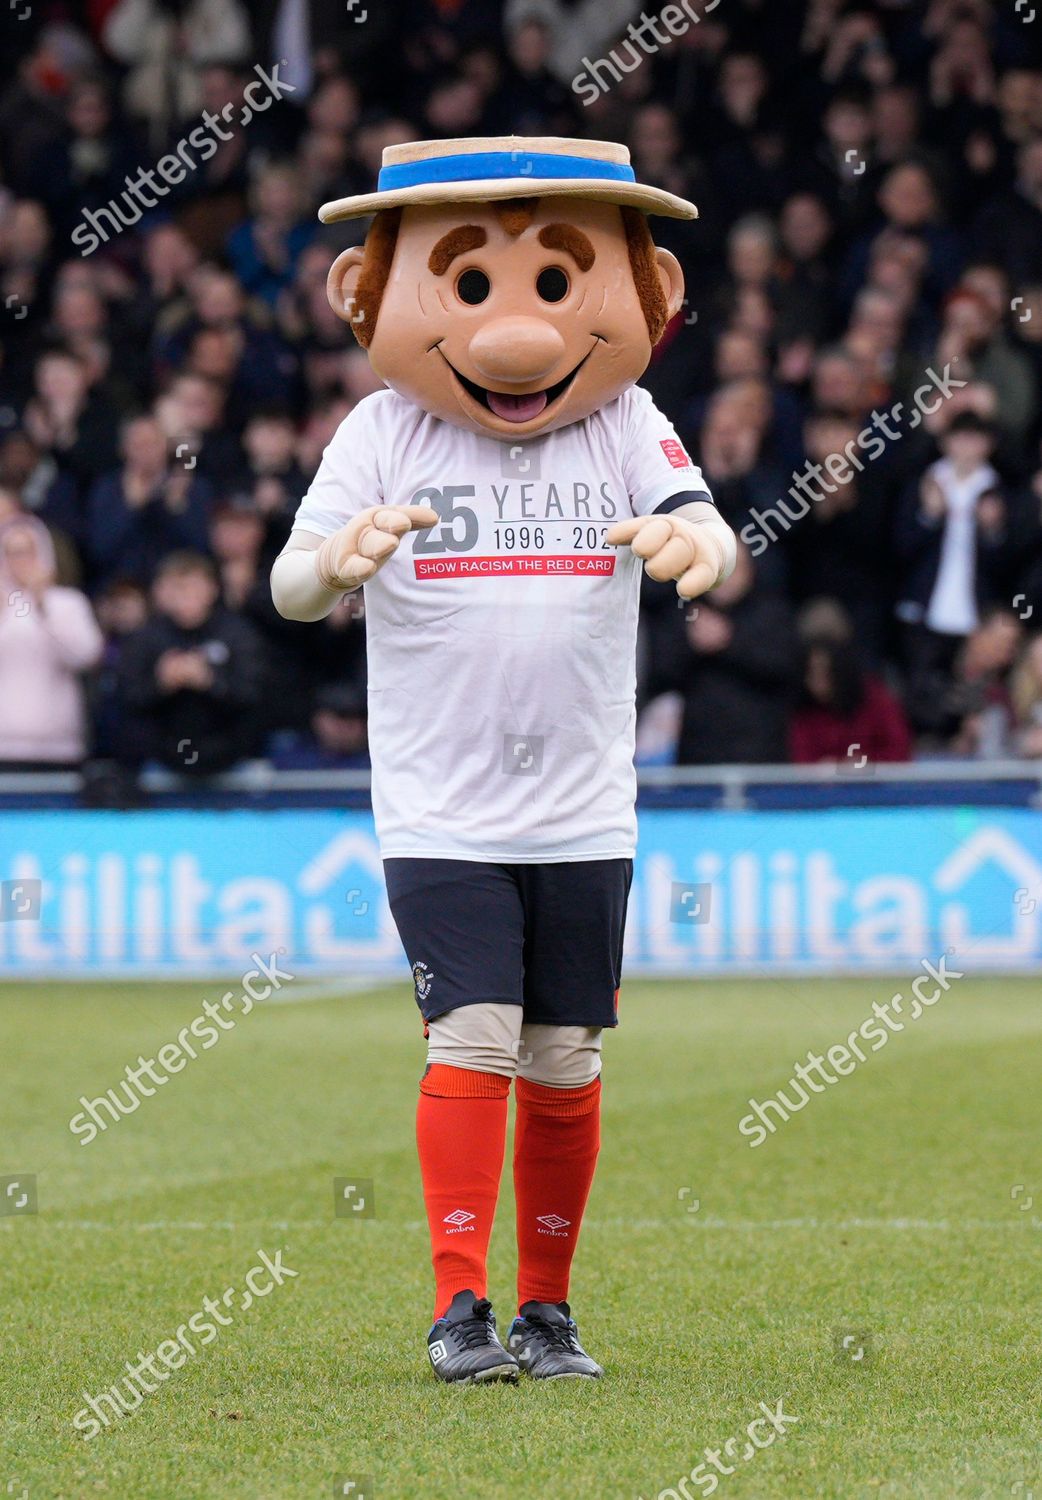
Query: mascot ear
pixel 671 280
pixel 342 285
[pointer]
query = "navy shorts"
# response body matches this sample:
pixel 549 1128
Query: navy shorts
pixel 546 937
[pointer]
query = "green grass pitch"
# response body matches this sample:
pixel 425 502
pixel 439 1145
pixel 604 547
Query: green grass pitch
pixel 901 1211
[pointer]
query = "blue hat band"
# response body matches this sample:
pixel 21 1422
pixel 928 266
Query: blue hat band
pixel 485 166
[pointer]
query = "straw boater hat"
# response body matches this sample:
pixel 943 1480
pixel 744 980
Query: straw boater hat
pixel 479 169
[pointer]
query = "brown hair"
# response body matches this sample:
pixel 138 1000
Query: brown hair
pixel 181 564
pixel 515 215
pixel 372 278
pixel 645 272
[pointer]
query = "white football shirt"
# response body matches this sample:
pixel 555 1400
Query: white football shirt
pixel 501 642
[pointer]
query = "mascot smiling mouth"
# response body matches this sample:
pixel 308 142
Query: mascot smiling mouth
pixel 511 406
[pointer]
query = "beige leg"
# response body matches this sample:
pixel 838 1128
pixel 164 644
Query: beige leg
pixel 560 1057
pixel 483 1038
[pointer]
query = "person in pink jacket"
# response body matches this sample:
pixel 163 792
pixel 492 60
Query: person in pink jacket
pixel 48 639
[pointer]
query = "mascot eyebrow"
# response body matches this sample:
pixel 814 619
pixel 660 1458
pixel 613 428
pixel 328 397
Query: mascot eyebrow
pixel 456 242
pixel 515 214
pixel 567 237
pixel 472 237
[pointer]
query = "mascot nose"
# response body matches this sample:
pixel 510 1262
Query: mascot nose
pixel 516 349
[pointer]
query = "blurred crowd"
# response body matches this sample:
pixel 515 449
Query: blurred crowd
pixel 857 367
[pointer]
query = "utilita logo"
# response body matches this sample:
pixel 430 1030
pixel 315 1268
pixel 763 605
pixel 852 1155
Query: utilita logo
pixel 461 1219
pixel 675 453
pixel 554 1225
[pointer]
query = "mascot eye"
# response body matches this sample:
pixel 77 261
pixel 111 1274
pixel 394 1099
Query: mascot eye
pixel 552 284
pixel 473 287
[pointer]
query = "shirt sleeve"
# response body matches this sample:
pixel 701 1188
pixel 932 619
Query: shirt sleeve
pixel 655 465
pixel 348 478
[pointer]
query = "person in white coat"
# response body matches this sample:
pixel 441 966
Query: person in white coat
pixel 48 639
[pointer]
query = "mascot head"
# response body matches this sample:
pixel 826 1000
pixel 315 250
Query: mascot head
pixel 508 285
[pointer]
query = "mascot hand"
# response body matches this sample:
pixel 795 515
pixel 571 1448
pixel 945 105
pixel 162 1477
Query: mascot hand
pixel 672 548
pixel 353 554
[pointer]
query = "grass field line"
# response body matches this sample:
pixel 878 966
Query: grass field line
pixel 415 1226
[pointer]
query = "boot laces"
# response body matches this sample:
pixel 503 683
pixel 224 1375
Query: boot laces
pixel 558 1335
pixel 477 1329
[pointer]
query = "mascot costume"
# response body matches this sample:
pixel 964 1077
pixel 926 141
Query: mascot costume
pixel 497 502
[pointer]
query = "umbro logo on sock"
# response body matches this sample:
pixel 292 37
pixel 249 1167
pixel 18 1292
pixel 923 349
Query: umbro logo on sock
pixel 554 1224
pixel 461 1219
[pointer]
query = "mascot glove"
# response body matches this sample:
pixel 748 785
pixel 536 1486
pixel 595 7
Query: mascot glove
pixel 688 551
pixel 358 550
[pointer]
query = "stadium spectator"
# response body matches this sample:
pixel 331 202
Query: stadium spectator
pixel 48 640
pixel 896 122
pixel 1026 593
pixel 192 677
pixel 122 609
pixel 237 531
pixel 730 456
pixel 840 382
pixel 841 169
pixel 953 539
pixel 339 734
pixel 1009 229
pixel 69 420
pixel 740 673
pixel 262 367
pixel 10 506
pixel 191 413
pixel 163 48
pixel 49 493
pixel 841 547
pixel 845 712
pixel 144 510
pixel 972 334
pixel 910 204
pixel 1026 696
pixel 976 707
pixel 168 259
pixel 531 97
pixel 273 474
pixel 804 290
pixel 85 168
pixel 264 250
pixel 26 270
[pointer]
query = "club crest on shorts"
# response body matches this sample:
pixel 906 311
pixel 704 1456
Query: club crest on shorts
pixel 421 978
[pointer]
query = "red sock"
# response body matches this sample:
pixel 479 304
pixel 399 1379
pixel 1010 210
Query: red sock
pixel 461 1126
pixel 556 1140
